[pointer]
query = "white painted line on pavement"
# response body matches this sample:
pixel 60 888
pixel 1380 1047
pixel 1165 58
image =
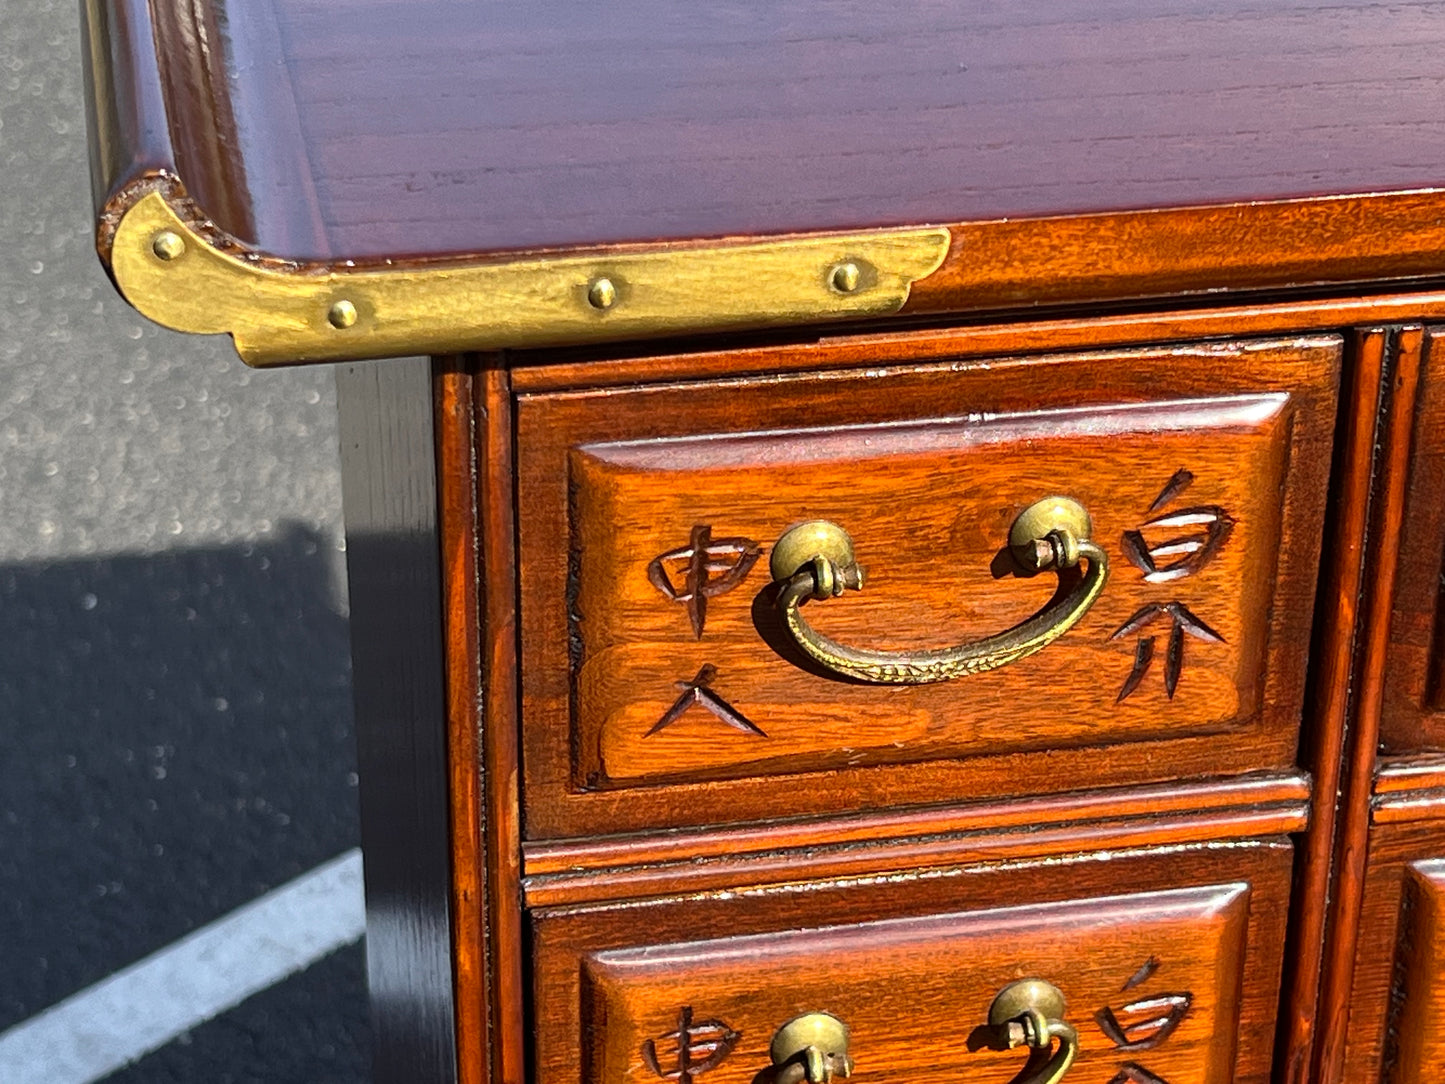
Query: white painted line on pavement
pixel 142 1007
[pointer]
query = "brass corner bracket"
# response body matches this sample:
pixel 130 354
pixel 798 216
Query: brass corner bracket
pixel 286 315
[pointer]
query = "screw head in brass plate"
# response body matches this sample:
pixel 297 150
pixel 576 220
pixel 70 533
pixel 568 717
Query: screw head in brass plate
pixel 341 315
pixel 800 545
pixel 602 294
pixel 1024 997
pixel 168 245
pixel 846 277
pixel 821 1030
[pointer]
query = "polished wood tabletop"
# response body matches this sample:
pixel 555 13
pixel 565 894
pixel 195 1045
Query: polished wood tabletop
pixel 374 129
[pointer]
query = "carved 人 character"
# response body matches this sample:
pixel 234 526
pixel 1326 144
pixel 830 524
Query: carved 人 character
pixel 703 569
pixel 1134 1073
pixel 1179 544
pixel 697 691
pixel 700 1046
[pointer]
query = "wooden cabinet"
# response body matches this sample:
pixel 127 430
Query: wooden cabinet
pixel 898 501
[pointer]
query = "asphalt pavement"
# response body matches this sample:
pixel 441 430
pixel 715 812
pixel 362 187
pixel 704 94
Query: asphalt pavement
pixel 175 714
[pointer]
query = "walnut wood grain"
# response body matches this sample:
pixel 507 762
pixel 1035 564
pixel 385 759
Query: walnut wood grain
pixel 913 963
pixel 1414 708
pixel 929 503
pixel 1402 373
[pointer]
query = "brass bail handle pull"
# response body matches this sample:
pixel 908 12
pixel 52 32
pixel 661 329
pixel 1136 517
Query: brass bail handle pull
pixel 814 560
pixel 813 1048
pixel 1031 1013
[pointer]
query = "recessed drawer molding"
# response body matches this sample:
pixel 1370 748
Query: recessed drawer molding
pixel 682 638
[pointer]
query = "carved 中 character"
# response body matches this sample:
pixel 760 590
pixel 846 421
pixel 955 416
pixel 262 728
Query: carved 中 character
pixel 697 691
pixel 701 1046
pixel 1169 547
pixel 687 573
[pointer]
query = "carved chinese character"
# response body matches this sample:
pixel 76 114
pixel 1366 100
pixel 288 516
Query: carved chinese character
pixel 1169 547
pixel 1182 620
pixel 700 1046
pixel 1179 544
pixel 1133 1073
pixel 705 568
pixel 697 691
pixel 1144 1024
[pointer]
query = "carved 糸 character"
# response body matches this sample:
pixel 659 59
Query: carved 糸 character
pixel 1171 547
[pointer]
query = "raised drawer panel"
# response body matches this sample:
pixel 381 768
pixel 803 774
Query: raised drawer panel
pixel 1392 1030
pixel 1162 984
pixel 901 986
pixel 660 685
pixel 1414 707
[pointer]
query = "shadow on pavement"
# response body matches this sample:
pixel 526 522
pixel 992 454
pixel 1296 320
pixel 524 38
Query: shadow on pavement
pixel 175 739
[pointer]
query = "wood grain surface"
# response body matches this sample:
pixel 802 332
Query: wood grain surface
pixel 1343 575
pixel 913 964
pixel 1352 841
pixel 1420 1048
pixel 1414 707
pixel 1051 828
pixel 1394 972
pixel 650 121
pixel 926 468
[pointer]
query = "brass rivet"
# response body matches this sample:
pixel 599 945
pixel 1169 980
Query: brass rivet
pixel 342 314
pixel 845 277
pixel 168 245
pixel 602 294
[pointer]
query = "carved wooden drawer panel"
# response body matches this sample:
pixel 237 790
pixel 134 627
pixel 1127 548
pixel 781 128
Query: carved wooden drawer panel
pixel 1392 1030
pixel 1172 979
pixel 661 685
pixel 1414 709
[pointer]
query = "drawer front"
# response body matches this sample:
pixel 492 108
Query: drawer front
pixel 1398 987
pixel 1414 706
pixel 1164 985
pixel 663 686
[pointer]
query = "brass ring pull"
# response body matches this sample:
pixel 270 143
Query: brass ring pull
pixel 815 561
pixel 1031 1013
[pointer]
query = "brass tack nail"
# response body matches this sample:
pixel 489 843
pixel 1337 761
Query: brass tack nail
pixel 602 294
pixel 342 314
pixel 845 277
pixel 168 245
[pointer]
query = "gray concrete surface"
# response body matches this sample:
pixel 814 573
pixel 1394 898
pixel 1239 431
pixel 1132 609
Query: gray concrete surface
pixel 175 733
